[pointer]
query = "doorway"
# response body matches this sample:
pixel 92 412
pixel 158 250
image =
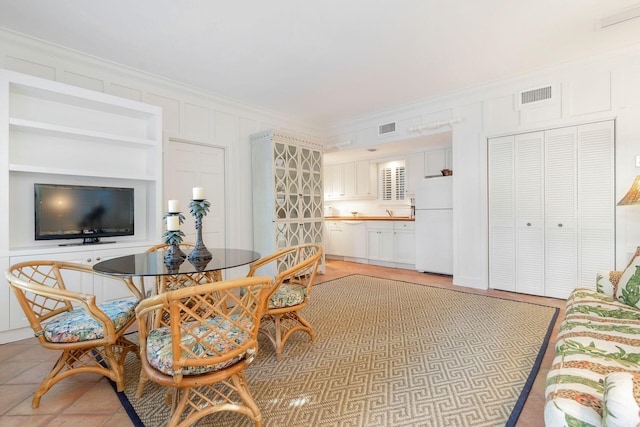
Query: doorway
pixel 187 165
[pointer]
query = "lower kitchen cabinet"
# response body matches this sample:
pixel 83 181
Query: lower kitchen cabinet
pixel 386 243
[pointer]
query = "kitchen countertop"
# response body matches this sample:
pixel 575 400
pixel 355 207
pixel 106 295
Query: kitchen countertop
pixel 369 218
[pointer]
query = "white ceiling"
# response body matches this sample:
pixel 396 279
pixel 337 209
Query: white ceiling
pixel 327 61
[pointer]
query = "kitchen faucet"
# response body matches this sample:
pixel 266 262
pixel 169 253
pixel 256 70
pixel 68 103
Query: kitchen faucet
pixel 390 212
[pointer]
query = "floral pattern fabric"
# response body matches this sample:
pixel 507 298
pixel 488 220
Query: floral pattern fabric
pixel 77 325
pixel 160 353
pixel 287 296
pixel 621 400
pixel 600 336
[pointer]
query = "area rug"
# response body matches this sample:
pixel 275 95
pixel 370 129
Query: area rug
pixel 387 353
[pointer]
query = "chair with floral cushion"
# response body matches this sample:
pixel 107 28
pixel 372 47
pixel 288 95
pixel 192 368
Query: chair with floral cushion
pixel 295 271
pixel 89 335
pixel 203 347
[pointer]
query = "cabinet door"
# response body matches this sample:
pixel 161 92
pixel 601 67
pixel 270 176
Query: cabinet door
pixel 560 212
pixel 434 162
pixel 334 181
pixel 596 203
pixel 404 247
pixel 529 212
pixel 349 180
pixel 334 238
pixel 415 172
pixel 310 184
pixel 448 160
pixel 502 242
pixel 364 179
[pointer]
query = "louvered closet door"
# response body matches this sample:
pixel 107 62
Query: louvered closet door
pixel 501 214
pixel 561 237
pixel 529 213
pixel 596 203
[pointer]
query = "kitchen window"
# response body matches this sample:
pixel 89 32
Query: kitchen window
pixel 392 180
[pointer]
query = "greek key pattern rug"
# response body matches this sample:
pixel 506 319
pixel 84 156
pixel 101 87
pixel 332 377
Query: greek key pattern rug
pixel 388 353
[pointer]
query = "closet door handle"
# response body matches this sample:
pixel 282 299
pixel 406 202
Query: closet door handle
pixel 528 224
pixel 560 225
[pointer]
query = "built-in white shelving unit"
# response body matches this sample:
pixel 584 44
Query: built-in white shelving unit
pixel 51 132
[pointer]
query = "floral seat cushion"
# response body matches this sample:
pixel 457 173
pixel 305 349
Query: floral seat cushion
pixel 287 296
pixel 160 352
pixel 77 325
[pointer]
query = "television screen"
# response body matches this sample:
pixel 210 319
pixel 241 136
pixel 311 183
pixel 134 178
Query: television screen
pixel 73 212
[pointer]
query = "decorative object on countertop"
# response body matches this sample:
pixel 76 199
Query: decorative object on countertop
pixel 446 172
pixel 354 213
pixel 199 207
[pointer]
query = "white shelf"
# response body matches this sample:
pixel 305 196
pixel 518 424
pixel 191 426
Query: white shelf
pixel 52 129
pixel 13 167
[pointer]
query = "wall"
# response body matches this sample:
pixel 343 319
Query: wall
pixel 591 89
pixel 188 113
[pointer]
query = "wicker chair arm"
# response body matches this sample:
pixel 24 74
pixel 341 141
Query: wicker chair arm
pixel 86 301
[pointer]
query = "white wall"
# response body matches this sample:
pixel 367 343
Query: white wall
pixel 188 113
pixel 603 87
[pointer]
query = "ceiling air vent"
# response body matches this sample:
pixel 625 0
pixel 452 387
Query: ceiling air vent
pixel 537 96
pixel 386 128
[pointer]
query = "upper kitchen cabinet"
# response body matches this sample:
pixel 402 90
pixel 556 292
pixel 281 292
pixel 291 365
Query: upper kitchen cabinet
pixel 353 180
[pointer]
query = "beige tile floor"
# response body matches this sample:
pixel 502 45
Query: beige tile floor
pixel 87 400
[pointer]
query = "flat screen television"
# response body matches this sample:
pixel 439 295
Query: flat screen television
pixel 82 212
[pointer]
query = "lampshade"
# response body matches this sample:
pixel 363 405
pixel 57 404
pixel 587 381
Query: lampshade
pixel 633 195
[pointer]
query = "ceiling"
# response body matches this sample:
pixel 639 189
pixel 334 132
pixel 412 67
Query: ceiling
pixel 323 62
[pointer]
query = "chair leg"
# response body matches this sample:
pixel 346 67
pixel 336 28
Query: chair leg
pixel 50 379
pixel 279 327
pixel 240 383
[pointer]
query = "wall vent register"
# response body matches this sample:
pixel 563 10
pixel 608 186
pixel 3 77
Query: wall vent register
pixel 386 128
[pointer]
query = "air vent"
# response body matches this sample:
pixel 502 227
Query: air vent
pixel 537 96
pixel 386 128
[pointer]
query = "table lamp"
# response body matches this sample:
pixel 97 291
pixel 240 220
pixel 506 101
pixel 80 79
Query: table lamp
pixel 633 195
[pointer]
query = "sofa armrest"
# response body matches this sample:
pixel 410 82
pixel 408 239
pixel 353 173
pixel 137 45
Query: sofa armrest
pixel 621 406
pixel 607 282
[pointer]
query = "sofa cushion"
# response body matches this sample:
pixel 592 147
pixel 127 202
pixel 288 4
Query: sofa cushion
pixel 77 325
pixel 621 400
pixel 628 289
pixel 599 336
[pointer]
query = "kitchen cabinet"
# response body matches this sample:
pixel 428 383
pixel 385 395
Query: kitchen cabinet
pixel 333 240
pixel 287 192
pixel 353 180
pixel 392 242
pixel 365 179
pixel 551 209
pixel 436 160
pixel 404 242
pixel 415 172
pixel 380 246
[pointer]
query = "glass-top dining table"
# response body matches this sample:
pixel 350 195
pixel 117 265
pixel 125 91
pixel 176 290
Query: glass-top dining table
pixel 172 276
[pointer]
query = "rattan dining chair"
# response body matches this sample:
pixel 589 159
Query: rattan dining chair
pixel 90 335
pixel 296 269
pixel 202 348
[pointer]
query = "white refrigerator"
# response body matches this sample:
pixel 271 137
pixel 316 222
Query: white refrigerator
pixel 434 225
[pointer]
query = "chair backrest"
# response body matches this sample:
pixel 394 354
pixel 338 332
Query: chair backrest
pixel 296 265
pixel 39 287
pixel 209 324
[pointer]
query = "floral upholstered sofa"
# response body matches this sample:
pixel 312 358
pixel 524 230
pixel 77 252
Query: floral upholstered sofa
pixel 595 376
